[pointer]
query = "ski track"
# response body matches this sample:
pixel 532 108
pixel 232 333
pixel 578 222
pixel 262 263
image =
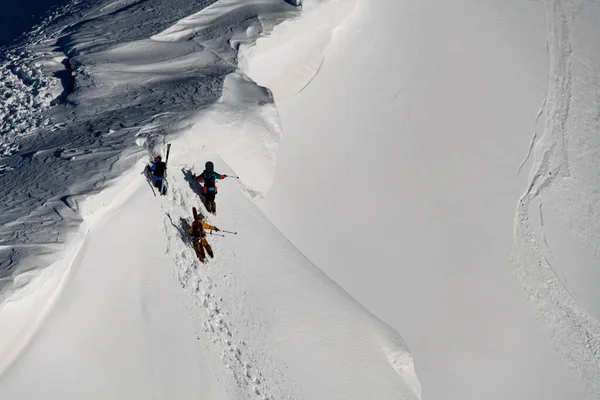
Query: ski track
pixel 574 332
pixel 534 137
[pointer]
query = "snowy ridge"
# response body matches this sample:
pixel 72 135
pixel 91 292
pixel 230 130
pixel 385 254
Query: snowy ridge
pixel 167 84
pixel 95 144
pixel 102 296
pixel 273 325
pixel 259 309
pixel 574 330
pixel 290 57
pixel 228 12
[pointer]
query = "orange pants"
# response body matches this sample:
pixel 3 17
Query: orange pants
pixel 199 246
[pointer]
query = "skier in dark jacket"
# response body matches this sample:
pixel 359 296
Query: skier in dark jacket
pixel 209 187
pixel 157 170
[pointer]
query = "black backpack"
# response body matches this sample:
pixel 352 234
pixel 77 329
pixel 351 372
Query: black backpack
pixel 160 169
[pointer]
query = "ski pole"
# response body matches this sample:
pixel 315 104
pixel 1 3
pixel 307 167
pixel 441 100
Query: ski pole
pixel 216 234
pixel 153 192
pixel 231 176
pixel 222 230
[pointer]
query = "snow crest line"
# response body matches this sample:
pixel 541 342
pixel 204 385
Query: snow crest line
pixel 575 333
pixel 289 69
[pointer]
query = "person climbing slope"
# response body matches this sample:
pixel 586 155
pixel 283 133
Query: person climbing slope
pixel 156 171
pixel 198 233
pixel 209 188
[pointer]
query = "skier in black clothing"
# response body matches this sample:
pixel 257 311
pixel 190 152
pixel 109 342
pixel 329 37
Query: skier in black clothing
pixel 209 189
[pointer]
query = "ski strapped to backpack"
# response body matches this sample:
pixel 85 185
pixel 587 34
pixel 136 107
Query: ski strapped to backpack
pixel 162 183
pixel 195 214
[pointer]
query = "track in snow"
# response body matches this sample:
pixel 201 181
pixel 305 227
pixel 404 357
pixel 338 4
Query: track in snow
pixel 574 330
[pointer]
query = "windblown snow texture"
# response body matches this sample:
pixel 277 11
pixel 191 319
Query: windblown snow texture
pixel 119 88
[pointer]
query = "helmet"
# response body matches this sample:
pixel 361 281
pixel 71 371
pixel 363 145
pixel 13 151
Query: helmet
pixel 157 158
pixel 209 166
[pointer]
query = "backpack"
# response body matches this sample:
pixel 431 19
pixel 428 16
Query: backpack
pixel 159 169
pixel 209 181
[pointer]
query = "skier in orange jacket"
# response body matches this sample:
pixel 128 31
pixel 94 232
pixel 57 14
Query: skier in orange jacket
pixel 198 233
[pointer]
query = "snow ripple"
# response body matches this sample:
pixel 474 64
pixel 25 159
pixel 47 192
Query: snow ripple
pixel 135 91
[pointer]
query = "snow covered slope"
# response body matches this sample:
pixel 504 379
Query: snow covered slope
pixel 268 323
pixel 402 131
pixel 98 312
pixel 129 91
pixel 119 328
pixel 406 138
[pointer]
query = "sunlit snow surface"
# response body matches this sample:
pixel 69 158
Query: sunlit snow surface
pixel 436 106
pixel 90 307
pixel 432 104
pixel 128 88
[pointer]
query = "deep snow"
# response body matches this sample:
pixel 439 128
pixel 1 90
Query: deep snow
pixel 405 138
pixel 398 135
pixel 100 305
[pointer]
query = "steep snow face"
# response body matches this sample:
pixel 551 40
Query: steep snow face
pixel 402 154
pixel 287 62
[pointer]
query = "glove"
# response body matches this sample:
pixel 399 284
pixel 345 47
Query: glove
pixel 217 230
